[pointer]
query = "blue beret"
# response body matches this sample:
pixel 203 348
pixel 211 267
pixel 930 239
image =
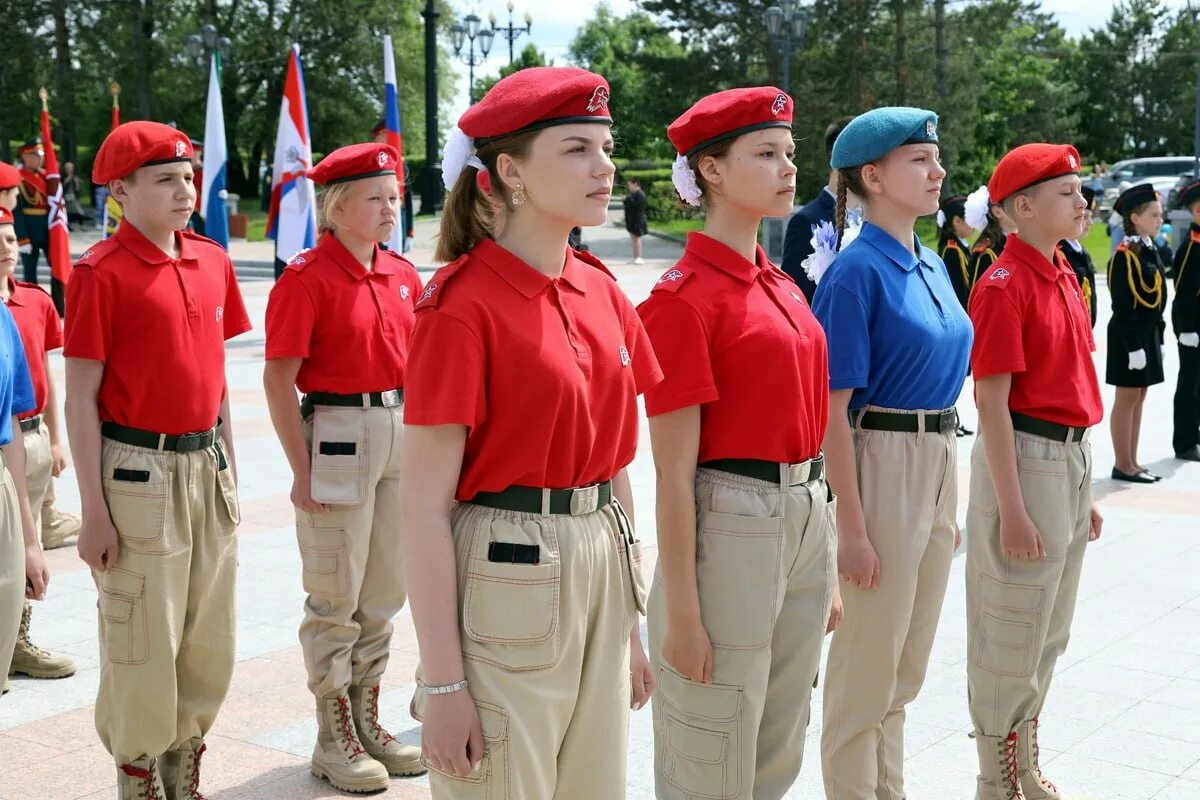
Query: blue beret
pixel 879 131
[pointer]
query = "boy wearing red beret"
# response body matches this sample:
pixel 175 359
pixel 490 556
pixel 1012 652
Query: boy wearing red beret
pixel 1030 511
pixel 148 420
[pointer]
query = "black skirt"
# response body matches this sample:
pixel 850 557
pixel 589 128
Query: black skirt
pixel 636 225
pixel 1128 337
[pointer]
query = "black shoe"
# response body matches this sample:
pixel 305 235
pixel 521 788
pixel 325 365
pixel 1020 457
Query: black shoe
pixel 1191 454
pixel 963 431
pixel 1140 477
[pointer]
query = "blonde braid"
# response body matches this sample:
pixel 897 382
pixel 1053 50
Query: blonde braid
pixel 839 212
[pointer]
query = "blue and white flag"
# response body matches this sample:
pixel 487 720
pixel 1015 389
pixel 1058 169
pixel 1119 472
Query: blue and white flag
pixel 212 191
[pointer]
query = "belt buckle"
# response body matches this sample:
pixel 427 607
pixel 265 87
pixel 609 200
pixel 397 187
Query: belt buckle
pixel 585 500
pixel 948 421
pixel 390 398
pixel 798 473
pixel 191 442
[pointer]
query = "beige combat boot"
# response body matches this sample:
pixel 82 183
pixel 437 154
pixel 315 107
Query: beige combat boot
pixel 29 659
pixel 181 771
pixel 339 756
pixel 1033 782
pixel 58 527
pixel 997 768
pixel 140 780
pixel 398 759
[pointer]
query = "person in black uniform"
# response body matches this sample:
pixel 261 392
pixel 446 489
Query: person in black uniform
pixel 635 217
pixel 1079 259
pixel 1185 319
pixel 953 231
pixel 1135 332
pixel 797 241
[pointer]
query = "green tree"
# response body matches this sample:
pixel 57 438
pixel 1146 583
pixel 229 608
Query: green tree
pixel 529 57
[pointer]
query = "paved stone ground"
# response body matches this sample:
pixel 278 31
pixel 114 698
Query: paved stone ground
pixel 1123 721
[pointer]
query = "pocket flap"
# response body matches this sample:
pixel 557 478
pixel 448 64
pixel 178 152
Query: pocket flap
pixel 324 562
pixel 695 744
pixel 1041 466
pixel 720 703
pixel 115 609
pixel 1010 595
pixel 1003 631
pixel 739 524
pixel 493 721
pixel 121 582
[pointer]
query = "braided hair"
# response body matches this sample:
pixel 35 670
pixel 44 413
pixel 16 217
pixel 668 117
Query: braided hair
pixel 848 180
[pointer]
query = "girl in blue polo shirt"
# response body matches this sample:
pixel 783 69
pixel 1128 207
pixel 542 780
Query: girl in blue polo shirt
pixel 899 342
pixel 22 567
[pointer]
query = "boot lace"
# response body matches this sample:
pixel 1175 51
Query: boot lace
pixel 193 790
pixel 25 641
pixel 373 718
pixel 1010 768
pixel 149 787
pixel 345 724
pixel 1035 750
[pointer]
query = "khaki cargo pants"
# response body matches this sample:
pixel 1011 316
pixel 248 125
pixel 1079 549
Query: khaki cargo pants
pixel 878 657
pixel 39 471
pixel 766 562
pixel 546 653
pixel 353 572
pixel 1019 612
pixel 167 606
pixel 12 568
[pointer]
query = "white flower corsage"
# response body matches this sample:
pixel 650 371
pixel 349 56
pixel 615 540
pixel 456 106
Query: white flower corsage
pixel 975 209
pixel 457 155
pixel 825 248
pixel 684 178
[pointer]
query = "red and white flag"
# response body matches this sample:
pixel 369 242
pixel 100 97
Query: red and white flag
pixel 60 240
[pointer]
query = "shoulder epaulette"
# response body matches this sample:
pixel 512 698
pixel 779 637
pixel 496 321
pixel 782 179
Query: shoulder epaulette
pixel 436 288
pixel 95 254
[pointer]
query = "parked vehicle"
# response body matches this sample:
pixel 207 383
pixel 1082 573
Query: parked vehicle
pixel 1161 171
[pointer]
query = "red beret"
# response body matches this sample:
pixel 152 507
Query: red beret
pixel 10 176
pixel 729 114
pixel 6 217
pixel 139 144
pixel 537 97
pixel 354 162
pixel 1029 165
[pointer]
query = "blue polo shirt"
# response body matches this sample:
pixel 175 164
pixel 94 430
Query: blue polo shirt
pixel 897 334
pixel 16 389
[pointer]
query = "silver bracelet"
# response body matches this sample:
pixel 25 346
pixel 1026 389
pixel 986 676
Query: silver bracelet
pixel 449 688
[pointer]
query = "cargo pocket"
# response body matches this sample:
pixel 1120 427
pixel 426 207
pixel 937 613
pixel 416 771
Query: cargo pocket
pixel 510 611
pixel 699 724
pixel 1005 639
pixel 738 564
pixel 488 781
pixel 631 553
pixel 138 503
pixel 339 456
pixel 229 512
pixel 326 570
pixel 123 615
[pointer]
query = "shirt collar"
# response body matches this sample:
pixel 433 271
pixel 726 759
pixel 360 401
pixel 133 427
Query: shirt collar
pixel 13 296
pixel 725 258
pixel 342 257
pixel 132 240
pixel 524 278
pixel 1027 254
pixel 882 241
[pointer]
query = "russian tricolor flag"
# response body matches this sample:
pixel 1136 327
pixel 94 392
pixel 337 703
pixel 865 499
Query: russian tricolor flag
pixel 212 191
pixel 391 121
pixel 292 219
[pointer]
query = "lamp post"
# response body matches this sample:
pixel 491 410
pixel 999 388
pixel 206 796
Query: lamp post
pixel 785 26
pixel 204 45
pixel 465 33
pixel 431 180
pixel 511 32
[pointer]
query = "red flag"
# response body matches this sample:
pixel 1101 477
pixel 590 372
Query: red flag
pixel 116 114
pixel 60 242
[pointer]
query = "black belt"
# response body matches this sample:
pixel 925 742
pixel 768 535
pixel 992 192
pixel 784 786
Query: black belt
pixel 770 471
pixel 1047 430
pixel 388 399
pixel 31 424
pixel 937 422
pixel 184 443
pixel 529 499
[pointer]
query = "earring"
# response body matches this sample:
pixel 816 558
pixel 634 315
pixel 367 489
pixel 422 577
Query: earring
pixel 518 195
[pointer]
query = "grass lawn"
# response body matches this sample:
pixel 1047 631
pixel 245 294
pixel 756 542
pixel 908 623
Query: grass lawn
pixel 256 222
pixel 677 227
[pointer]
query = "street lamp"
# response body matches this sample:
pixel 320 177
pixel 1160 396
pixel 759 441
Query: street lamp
pixel 201 46
pixel 431 181
pixel 511 32
pixel 785 27
pixel 466 32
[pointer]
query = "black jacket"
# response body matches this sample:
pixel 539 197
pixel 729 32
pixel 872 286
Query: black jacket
pixel 1085 273
pixel 1185 308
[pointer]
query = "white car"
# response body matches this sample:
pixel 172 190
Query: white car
pixel 1162 172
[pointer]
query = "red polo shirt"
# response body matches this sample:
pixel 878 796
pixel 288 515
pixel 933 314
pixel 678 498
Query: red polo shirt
pixel 351 326
pixel 41 332
pixel 159 324
pixel 544 373
pixel 739 340
pixel 1029 321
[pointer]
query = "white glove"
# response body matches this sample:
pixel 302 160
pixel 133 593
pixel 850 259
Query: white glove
pixel 1137 359
pixel 1190 339
pixel 25 249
